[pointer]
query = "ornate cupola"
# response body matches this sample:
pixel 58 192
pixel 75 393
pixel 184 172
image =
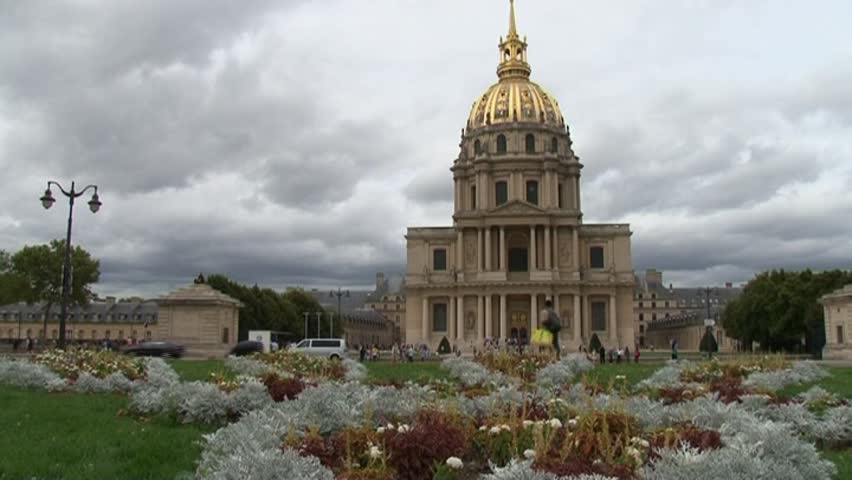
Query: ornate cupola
pixel 513 52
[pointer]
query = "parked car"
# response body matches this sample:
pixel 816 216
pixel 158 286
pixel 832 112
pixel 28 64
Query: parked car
pixel 247 348
pixel 155 349
pixel 333 348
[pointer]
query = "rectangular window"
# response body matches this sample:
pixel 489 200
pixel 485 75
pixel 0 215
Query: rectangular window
pixel 640 305
pixel 596 257
pixel 325 343
pixel 439 260
pixel 501 193
pixel 226 335
pixel 641 317
pixel 473 198
pixel 121 334
pixel 653 304
pixel 532 192
pixel 641 328
pixel 840 338
pixel 560 196
pixel 653 316
pixel 599 316
pixel 439 317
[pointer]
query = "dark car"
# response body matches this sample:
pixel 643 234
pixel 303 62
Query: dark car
pixel 155 349
pixel 247 348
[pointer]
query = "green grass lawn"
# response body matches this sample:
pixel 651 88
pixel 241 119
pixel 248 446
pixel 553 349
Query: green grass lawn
pixel 382 372
pixel 72 436
pixel 190 370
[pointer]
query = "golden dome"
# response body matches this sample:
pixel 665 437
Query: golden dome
pixel 515 98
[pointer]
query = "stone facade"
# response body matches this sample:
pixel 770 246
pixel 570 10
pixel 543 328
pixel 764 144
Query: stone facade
pixel 666 308
pixel 388 300
pixel 518 237
pixel 201 318
pixel 837 307
pixel 130 321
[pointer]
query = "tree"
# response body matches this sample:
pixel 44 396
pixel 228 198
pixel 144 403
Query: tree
pixel 780 310
pixel 11 285
pixel 39 269
pixel 595 343
pixel 708 343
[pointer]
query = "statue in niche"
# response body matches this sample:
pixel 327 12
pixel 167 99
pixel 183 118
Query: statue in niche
pixel 470 252
pixel 470 321
pixel 564 252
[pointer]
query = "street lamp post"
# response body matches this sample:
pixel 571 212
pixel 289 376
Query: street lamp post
pixel 340 293
pixel 47 201
pixel 307 314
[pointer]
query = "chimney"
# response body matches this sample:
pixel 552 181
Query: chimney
pixel 110 301
pixel 380 281
pixel 653 277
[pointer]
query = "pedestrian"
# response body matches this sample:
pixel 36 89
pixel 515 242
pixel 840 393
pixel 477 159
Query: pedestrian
pixel 362 353
pixel 626 354
pixel 611 355
pixel 674 349
pixel 602 354
pixel 636 355
pixel 553 325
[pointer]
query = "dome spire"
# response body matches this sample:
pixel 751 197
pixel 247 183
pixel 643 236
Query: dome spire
pixel 513 29
pixel 513 51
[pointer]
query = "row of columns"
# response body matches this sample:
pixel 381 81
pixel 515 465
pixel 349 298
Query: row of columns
pixel 549 188
pixel 550 261
pixel 485 325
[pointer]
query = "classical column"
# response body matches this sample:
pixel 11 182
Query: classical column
pixel 451 324
pixel 577 192
pixel 460 319
pixel 578 317
pixel 424 321
pixel 503 249
pixel 556 248
pixel 613 320
pixel 533 264
pixel 545 190
pixel 489 321
pixel 575 247
pixel 504 320
pixel 488 249
pixel 478 249
pixel 460 252
pixel 547 251
pixel 480 318
pixel 533 313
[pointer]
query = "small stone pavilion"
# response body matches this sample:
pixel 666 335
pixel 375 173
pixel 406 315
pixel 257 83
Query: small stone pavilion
pixel 838 323
pixel 201 318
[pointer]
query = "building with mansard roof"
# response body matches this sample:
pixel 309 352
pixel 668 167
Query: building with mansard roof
pixel 518 237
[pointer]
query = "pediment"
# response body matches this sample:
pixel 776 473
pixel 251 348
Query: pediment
pixel 517 207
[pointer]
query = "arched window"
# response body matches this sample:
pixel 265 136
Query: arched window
pixel 477 147
pixel 530 143
pixel 501 143
pixel 554 145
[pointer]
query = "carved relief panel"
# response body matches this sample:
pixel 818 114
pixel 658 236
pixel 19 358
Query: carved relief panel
pixel 470 252
pixel 565 246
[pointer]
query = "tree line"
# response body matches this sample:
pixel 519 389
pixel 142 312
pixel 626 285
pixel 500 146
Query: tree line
pixel 780 310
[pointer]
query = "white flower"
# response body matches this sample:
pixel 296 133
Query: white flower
pixel 529 454
pixel 455 463
pixel 391 427
pixel 620 377
pixel 404 428
pixel 528 423
pixel 572 423
pixel 494 430
pixel 375 452
pixel 555 423
pixel 483 428
pixel 505 427
pixel 380 430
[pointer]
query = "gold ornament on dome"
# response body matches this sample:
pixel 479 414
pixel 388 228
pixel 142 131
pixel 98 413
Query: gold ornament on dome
pixel 514 97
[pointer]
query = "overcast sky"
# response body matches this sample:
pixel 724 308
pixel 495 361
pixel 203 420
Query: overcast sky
pixel 291 142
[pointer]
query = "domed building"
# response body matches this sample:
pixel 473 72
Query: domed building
pixel 518 237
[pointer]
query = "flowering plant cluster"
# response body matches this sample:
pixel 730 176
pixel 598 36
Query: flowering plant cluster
pixel 72 363
pixel 547 429
pixel 521 366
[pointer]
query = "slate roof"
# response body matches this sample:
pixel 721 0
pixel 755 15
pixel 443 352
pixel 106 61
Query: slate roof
pixel 95 312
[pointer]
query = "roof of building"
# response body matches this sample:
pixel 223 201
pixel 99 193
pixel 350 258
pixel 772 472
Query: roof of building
pixel 687 319
pixel 688 298
pixel 97 311
pixel 840 293
pixel 199 293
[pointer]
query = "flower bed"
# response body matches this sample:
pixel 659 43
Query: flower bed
pixel 86 371
pixel 543 429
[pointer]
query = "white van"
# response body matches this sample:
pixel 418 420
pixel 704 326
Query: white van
pixel 333 348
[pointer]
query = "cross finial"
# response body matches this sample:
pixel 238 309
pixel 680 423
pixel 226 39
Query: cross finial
pixel 513 29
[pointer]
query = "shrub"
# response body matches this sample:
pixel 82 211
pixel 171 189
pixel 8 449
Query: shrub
pixel 432 440
pixel 281 389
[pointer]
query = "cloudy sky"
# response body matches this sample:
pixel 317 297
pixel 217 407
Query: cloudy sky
pixel 292 141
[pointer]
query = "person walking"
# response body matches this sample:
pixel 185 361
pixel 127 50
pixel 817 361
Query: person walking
pixel 636 355
pixel 553 325
pixel 602 354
